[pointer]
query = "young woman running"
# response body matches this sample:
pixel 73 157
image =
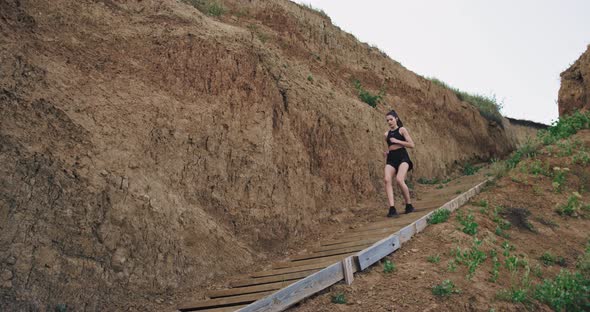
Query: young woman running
pixel 398 161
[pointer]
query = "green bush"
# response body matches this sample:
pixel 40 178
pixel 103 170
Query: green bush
pixel 211 8
pixel 368 97
pixel 445 289
pixel 439 216
pixel 565 127
pixel 468 223
pixel 339 298
pixel 428 181
pixel 469 169
pixel 388 266
pixel 568 291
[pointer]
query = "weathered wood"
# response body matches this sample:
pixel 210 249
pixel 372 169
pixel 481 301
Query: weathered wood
pixel 298 291
pixel 319 265
pixel 344 245
pixel 379 250
pixel 406 233
pixel 421 224
pixel 223 302
pixel 345 239
pixel 292 264
pixel 246 290
pixel 347 270
pixel 330 252
pixel 225 309
pixel 271 279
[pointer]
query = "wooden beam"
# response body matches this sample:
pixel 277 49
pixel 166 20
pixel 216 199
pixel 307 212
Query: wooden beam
pixel 298 291
pixel 271 279
pixel 319 265
pixel 347 270
pixel 379 250
pixel 223 302
pixel 344 245
pixel 292 264
pixel 330 252
pixel 246 290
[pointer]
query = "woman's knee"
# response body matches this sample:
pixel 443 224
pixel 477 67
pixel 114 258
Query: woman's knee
pixel 400 180
pixel 387 180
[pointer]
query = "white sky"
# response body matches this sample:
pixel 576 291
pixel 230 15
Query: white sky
pixel 513 49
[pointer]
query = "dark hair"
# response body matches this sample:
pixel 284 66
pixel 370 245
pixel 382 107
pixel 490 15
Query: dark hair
pixel 394 114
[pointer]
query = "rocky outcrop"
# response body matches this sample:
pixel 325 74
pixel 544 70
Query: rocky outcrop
pixel 574 93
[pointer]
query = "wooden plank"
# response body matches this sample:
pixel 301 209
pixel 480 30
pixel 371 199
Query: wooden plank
pixel 271 279
pixel 225 309
pixel 353 239
pixel 345 245
pixel 292 264
pixel 421 224
pixel 406 233
pixel 347 270
pixel 319 265
pixel 379 250
pixel 223 302
pixel 246 290
pixel 330 252
pixel 298 291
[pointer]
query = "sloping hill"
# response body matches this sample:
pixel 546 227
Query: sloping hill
pixel 146 146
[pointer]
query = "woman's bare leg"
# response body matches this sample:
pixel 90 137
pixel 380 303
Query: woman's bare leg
pixel 402 171
pixel 389 174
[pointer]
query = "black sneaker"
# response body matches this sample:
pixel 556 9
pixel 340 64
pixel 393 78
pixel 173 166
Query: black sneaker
pixel 409 208
pixel 392 213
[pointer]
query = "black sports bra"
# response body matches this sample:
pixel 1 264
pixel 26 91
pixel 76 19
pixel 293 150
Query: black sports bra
pixel 394 134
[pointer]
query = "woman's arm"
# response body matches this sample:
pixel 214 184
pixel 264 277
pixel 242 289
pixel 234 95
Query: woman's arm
pixel 409 143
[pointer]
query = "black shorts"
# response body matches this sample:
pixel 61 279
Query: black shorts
pixel 397 157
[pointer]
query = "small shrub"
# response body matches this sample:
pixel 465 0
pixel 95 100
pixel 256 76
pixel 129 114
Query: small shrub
pixel 568 291
pixel 310 78
pixel 434 259
pixel 548 259
pixel 339 298
pixel 208 7
pixel 469 169
pixel 570 208
pixel 445 289
pixel 368 97
pixel 440 186
pixel 388 266
pixel 427 181
pixel 559 179
pixel 582 158
pixel 439 216
pixel 468 223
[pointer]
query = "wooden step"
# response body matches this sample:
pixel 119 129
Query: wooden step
pixel 344 245
pixel 247 290
pixel 292 264
pixel 271 279
pixel 319 265
pixel 353 239
pixel 223 302
pixel 330 252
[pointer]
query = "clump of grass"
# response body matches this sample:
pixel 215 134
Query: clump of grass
pixel 495 273
pixel 434 259
pixel 368 97
pixel 548 259
pixel 582 158
pixel 488 106
pixel 470 169
pixel 566 292
pixel 439 216
pixel 339 298
pixel 565 127
pixel 559 178
pixel 423 180
pixel 468 223
pixel 309 78
pixel 471 257
pixel 571 208
pixel 388 266
pixel 445 289
pixel 211 8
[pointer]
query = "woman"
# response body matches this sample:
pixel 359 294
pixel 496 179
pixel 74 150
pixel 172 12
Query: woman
pixel 398 161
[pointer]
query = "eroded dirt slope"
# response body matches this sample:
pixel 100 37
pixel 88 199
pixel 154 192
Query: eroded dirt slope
pixel 146 146
pixel 574 93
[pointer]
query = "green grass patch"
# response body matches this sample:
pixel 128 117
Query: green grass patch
pixel 439 216
pixel 368 97
pixel 388 266
pixel 468 223
pixel 339 298
pixel 566 292
pixel 445 289
pixel 434 259
pixel 208 7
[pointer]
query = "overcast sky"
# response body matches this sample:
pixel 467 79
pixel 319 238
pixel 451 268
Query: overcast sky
pixel 513 49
